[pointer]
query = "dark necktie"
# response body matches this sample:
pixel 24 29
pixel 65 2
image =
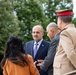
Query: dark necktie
pixel 35 49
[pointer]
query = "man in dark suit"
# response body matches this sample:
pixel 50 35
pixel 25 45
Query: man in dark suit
pixel 42 46
pixel 53 32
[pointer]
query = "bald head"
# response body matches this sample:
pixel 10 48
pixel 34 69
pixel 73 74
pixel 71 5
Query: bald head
pixel 52 25
pixel 52 30
pixel 37 33
pixel 38 26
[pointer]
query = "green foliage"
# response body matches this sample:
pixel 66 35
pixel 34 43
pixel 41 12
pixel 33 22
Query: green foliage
pixel 53 5
pixel 74 21
pixel 29 13
pixel 8 23
pixel 17 17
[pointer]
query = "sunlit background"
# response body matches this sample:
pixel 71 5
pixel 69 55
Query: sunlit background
pixel 74 8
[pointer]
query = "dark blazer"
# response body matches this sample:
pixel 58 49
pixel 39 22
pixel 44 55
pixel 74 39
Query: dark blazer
pixel 47 64
pixel 41 53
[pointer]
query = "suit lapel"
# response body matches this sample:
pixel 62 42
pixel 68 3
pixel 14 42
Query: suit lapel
pixel 31 49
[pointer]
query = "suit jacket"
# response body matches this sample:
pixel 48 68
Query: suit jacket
pixel 41 53
pixel 14 69
pixel 47 64
pixel 65 58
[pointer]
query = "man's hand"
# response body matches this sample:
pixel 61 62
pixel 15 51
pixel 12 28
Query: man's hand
pixel 35 62
pixel 39 63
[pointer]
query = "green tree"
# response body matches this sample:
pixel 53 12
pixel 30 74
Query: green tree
pixel 29 13
pixel 32 12
pixel 74 21
pixel 52 5
pixel 8 22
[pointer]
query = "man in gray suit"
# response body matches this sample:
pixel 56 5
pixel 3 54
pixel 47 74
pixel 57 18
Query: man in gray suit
pixel 53 33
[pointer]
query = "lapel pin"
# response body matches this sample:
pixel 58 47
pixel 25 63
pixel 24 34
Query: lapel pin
pixel 42 45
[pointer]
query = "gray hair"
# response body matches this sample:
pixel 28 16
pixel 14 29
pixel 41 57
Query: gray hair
pixel 52 25
pixel 40 27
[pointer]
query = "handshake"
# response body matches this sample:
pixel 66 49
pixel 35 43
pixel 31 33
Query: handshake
pixel 39 63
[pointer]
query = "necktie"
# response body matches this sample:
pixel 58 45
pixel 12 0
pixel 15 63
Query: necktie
pixel 35 49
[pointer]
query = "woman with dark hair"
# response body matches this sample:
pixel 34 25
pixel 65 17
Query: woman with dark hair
pixel 16 61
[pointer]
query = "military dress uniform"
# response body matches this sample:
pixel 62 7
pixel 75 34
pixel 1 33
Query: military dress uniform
pixel 65 58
